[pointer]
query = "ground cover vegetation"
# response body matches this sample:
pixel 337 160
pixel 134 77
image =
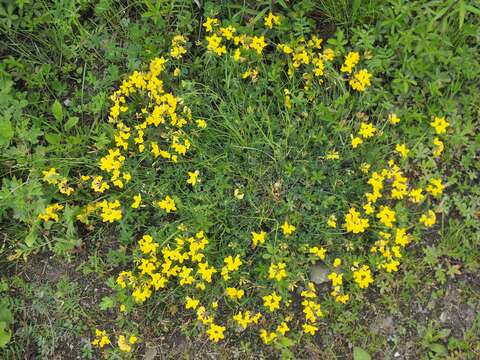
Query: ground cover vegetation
pixel 240 179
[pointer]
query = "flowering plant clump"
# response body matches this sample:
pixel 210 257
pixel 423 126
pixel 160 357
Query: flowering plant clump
pixel 250 288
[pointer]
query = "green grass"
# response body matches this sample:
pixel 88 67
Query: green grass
pixel 59 279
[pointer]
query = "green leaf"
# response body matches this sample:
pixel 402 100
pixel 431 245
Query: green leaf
pixel 5 334
pixel 6 130
pixel 461 13
pixel 72 121
pixel 31 238
pixel 286 342
pixel 57 110
pixel 53 139
pixel 473 9
pixel 5 313
pixel 107 303
pixel 439 349
pixel 360 354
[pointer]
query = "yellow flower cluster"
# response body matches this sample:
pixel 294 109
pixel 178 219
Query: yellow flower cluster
pixel 126 345
pixel 363 276
pixel 52 177
pixel 277 272
pixel 258 238
pixel 303 53
pixel 354 223
pixel 311 309
pixel 101 338
pixel 244 318
pixel 272 301
pixel 271 19
pixel 167 204
pixel 50 212
pixel 183 261
pixel 351 60
pixel 178 47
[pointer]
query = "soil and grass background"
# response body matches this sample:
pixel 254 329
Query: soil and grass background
pixel 273 147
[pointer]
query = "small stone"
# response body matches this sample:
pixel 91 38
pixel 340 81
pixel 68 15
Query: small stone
pixel 319 273
pixel 150 353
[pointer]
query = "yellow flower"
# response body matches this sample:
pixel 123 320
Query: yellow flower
pixel 287 228
pixel 271 19
pixel 50 213
pixel 319 251
pixel 202 124
pixel 206 272
pixel 192 177
pixel 238 194
pixel 101 338
pixel 416 195
pixel 337 279
pixel 333 155
pixel 363 277
pixel 137 199
pixel 428 219
pixel 402 150
pixel 227 32
pixel 328 54
pixel 342 298
pixel 402 238
pixel 110 211
pixel 214 42
pixel 361 80
pixel 369 209
pixel 277 271
pixel 185 277
pixel 351 60
pixel 285 48
pixel 282 328
pixel 147 245
pixel 267 337
pixel 242 320
pixel 332 221
pixel 386 216
pixel 51 176
pixel 356 141
pixel 191 303
pixel 231 264
pixel 258 43
pixel 208 24
pixel 390 266
pixel 123 345
pixel 272 301
pixel 98 185
pixel 367 130
pixel 337 262
pixel 167 204
pixel 234 293
pixel 365 168
pixel 435 187
pixel 237 55
pixel 440 125
pixel 393 119
pixel 215 332
pixel 309 329
pixel 354 223
pixel 438 147
pixel 258 238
